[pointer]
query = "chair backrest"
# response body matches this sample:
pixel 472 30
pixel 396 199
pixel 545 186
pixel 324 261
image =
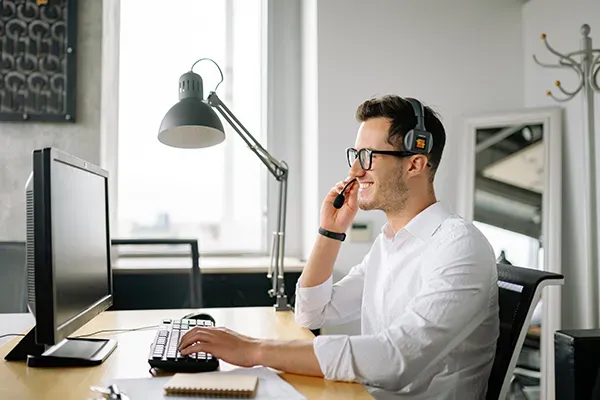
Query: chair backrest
pixel 195 300
pixel 519 291
pixel 13 277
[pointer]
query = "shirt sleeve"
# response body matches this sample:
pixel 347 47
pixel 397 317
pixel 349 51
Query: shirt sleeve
pixel 454 299
pixel 329 303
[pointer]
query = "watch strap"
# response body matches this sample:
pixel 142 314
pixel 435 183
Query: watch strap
pixel 333 235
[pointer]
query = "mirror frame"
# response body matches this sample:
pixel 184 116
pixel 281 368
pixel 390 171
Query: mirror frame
pixel 551 120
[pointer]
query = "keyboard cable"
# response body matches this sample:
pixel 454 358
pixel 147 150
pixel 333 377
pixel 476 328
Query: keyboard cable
pixel 94 333
pixel 117 331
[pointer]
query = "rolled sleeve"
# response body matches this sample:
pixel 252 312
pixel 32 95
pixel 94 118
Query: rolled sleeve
pixel 310 302
pixel 367 359
pixel 315 297
pixel 334 357
pixel 329 303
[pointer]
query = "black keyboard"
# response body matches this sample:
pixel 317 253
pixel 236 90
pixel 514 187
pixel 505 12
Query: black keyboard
pixel 165 355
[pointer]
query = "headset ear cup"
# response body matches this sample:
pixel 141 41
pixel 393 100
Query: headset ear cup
pixel 409 140
pixel 429 142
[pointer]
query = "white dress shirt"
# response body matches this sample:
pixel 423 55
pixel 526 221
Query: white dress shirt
pixel 427 298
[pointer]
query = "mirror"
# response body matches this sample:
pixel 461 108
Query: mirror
pixel 512 193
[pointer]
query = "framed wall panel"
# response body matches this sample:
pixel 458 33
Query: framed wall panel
pixel 38 60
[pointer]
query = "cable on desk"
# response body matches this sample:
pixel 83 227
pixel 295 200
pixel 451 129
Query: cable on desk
pixel 116 330
pixel 11 334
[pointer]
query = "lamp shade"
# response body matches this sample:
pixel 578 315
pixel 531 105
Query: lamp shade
pixel 191 123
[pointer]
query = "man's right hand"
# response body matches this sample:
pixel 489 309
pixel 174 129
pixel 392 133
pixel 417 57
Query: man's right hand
pixel 335 220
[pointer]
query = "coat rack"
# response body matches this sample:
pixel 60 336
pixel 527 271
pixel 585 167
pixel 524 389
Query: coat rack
pixel 586 64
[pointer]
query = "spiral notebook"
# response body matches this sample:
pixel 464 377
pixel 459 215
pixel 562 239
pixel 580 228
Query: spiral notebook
pixel 213 384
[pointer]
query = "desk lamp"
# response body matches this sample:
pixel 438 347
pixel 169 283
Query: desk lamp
pixel 192 124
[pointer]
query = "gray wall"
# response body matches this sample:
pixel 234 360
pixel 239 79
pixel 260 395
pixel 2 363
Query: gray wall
pixel 82 139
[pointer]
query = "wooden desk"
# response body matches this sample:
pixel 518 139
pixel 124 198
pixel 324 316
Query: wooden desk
pixel 129 360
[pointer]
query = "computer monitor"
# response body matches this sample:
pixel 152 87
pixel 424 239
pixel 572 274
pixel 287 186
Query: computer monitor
pixel 69 277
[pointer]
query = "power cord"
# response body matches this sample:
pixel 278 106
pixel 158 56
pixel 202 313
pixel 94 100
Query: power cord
pixel 94 333
pixel 116 330
pixel 11 334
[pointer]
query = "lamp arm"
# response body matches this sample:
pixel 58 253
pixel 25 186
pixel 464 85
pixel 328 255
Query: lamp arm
pixel 279 169
pixel 276 167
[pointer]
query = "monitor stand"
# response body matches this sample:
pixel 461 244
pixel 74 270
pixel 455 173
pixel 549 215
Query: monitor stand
pixel 70 352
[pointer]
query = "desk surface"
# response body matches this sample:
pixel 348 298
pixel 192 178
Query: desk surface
pixel 208 265
pixel 129 360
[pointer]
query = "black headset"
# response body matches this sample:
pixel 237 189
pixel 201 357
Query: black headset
pixel 418 140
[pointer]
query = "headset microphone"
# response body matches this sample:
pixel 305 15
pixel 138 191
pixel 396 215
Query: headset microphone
pixel 338 202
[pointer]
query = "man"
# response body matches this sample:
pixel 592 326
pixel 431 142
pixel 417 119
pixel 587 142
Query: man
pixel 426 292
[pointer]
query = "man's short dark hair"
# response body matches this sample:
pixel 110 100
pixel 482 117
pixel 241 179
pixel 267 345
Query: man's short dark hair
pixel 402 116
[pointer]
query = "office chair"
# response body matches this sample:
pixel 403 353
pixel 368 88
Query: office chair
pixel 13 277
pixel 195 281
pixel 519 291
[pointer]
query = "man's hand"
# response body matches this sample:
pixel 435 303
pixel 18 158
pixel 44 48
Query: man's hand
pixel 295 356
pixel 336 220
pixel 222 343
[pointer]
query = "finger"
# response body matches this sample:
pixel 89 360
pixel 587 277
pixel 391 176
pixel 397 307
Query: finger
pixel 192 332
pixel 341 185
pixel 198 336
pixel 335 190
pixel 196 347
pixel 352 195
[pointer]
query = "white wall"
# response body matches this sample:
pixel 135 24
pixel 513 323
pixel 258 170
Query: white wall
pixel 561 20
pixel 458 57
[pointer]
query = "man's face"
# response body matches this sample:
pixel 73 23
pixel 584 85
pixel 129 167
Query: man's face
pixel 383 187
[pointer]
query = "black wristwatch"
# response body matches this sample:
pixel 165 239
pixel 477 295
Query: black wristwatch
pixel 333 235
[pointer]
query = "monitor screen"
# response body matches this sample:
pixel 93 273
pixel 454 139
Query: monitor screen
pixel 68 244
pixel 79 240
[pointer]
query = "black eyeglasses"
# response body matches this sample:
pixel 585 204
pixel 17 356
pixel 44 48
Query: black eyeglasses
pixel 365 156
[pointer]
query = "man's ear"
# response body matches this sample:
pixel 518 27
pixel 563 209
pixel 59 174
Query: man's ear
pixel 418 164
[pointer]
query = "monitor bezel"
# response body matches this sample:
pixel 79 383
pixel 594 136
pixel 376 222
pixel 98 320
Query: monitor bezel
pixel 47 330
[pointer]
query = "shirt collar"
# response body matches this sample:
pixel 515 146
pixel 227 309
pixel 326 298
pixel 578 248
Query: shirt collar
pixel 424 224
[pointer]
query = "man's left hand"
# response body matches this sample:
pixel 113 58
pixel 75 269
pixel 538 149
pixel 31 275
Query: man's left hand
pixel 222 343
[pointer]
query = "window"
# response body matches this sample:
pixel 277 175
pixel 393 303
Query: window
pixel 218 194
